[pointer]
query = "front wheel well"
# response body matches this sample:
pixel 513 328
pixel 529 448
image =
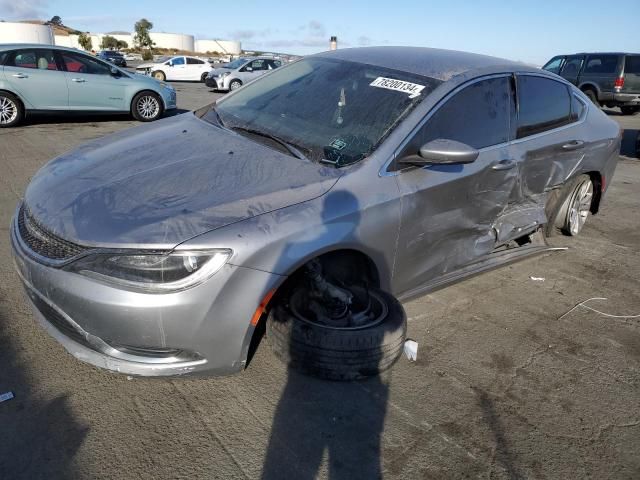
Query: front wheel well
pixel 146 90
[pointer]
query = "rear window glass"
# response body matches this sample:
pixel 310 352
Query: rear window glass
pixel 601 64
pixel 577 107
pixel 544 104
pixel 39 59
pixel 3 57
pixel 631 64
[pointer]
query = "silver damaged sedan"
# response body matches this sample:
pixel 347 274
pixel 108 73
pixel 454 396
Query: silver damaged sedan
pixel 309 202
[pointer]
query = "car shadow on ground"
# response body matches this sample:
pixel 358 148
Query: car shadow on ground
pixel 51 434
pixel 65 118
pixel 630 143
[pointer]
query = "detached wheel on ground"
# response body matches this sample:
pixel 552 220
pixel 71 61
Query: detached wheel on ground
pixel 630 110
pixel 158 75
pixel 320 334
pixel 575 210
pixel 146 107
pixel 11 110
pixel 235 84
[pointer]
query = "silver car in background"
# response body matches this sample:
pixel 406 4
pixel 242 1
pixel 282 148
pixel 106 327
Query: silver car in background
pixel 316 197
pixel 239 72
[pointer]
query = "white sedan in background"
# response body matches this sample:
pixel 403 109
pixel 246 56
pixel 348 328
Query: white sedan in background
pixel 177 68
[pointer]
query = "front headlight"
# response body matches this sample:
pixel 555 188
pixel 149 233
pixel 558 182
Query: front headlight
pixel 153 272
pixel 224 74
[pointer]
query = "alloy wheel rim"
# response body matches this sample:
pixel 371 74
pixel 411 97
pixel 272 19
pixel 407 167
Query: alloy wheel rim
pixel 8 110
pixel 158 76
pixel 580 207
pixel 148 107
pixel 234 85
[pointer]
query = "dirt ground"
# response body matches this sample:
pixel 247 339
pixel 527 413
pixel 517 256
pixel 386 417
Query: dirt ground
pixel 507 384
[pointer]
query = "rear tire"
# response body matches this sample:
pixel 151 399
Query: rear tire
pixel 575 210
pixel 338 353
pixel 11 110
pixel 630 110
pixel 203 77
pixel 593 96
pixel 159 75
pixel 146 107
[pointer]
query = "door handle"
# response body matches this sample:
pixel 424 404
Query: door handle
pixel 504 164
pixel 573 145
pixel 78 80
pixel 20 75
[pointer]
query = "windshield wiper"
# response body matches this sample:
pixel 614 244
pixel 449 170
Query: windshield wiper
pixel 293 150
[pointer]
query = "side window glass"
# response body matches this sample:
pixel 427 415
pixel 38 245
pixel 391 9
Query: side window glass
pixel 79 63
pixel 631 64
pixel 554 65
pixel 543 103
pixel 573 66
pixel 601 64
pixel 258 65
pixel 477 116
pixel 577 108
pixel 194 61
pixel 178 61
pixel 40 59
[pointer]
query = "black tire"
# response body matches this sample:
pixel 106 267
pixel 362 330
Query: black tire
pixel 11 110
pixel 203 77
pixel 159 75
pixel 143 114
pixel 563 221
pixel 235 84
pixel 338 354
pixel 630 110
pixel 593 96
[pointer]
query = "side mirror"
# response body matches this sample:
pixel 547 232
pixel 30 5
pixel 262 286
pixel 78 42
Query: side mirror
pixel 442 151
pixel 249 69
pixel 115 72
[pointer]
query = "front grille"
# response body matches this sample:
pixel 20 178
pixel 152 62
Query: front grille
pixel 56 319
pixel 44 243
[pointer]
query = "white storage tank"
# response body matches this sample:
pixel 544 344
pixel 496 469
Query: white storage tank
pixel 18 32
pixel 230 47
pixel 67 41
pixel 173 41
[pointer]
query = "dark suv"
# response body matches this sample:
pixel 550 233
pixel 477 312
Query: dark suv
pixel 114 57
pixel 608 79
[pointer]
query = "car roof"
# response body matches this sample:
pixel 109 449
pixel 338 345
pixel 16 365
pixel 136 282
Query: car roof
pixel 13 46
pixel 429 62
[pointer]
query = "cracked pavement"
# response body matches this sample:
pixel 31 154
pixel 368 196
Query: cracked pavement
pixel 504 387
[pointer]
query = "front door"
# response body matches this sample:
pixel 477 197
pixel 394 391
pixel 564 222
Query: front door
pixel 449 212
pixel 91 84
pixel 177 69
pixel 572 67
pixel 252 70
pixel 35 76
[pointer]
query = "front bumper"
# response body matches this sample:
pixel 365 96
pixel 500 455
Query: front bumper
pixel 210 82
pixel 209 324
pixel 169 98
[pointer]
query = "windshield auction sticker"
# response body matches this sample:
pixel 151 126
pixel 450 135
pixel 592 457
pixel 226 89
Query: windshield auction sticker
pixel 413 89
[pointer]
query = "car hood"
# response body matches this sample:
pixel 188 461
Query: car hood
pixel 217 71
pixel 161 184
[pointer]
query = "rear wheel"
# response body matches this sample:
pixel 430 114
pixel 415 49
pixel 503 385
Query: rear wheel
pixel 630 110
pixel 203 77
pixel 235 84
pixel 575 210
pixel 316 330
pixel 593 96
pixel 11 110
pixel 146 107
pixel 158 75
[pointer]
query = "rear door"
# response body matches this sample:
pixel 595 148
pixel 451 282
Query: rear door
pixel 449 211
pixel 195 68
pixel 91 85
pixel 549 145
pixel 572 67
pixel 601 70
pixel 35 75
pixel 631 74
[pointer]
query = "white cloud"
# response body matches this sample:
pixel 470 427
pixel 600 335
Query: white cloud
pixel 23 9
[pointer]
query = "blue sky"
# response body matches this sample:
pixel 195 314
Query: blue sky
pixel 530 31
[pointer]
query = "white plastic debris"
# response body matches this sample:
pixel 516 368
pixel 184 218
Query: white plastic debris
pixel 6 396
pixel 411 350
pixel 537 279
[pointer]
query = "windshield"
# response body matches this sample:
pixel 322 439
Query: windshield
pixel 236 63
pixel 334 111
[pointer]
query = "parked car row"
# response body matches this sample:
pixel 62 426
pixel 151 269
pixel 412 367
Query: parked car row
pixel 608 79
pixel 34 78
